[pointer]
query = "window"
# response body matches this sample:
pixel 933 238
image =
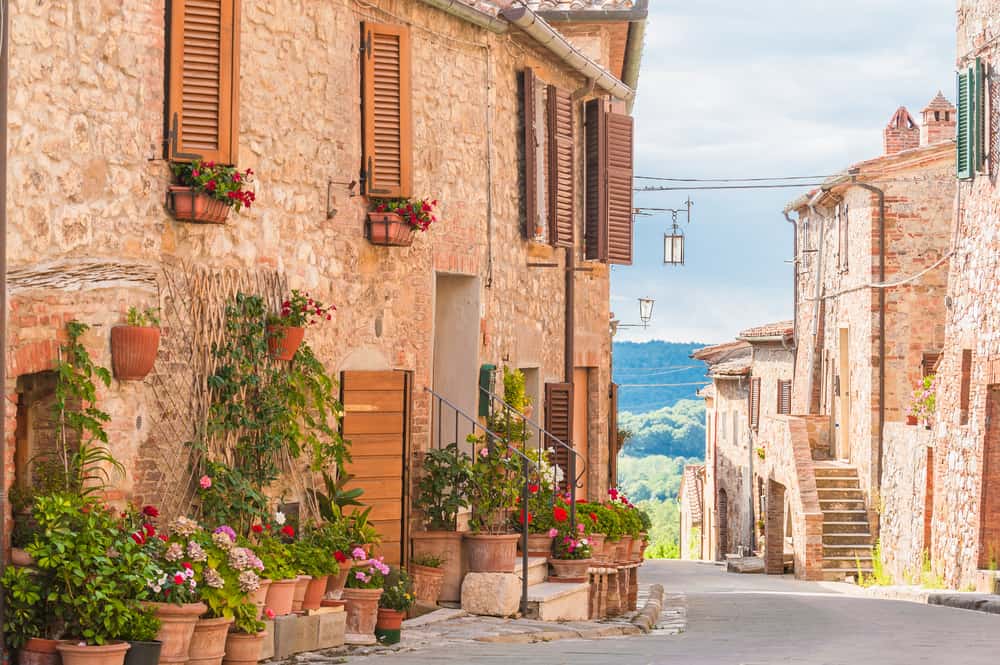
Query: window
pixel 386 112
pixel 736 427
pixel 754 403
pixel 203 87
pixel 928 363
pixel 843 235
pixel 549 161
pixel 608 194
pixel 966 386
pixel 559 422
pixel 784 397
pixel 970 120
pixel 723 421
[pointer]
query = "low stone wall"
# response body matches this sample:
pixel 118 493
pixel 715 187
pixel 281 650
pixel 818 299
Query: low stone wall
pixel 903 500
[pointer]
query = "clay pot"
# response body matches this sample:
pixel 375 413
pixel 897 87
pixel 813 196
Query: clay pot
pixel 314 592
pixel 911 421
pixel 448 546
pixel 491 554
pixel 389 619
pixel 21 559
pixel 280 596
pixel 284 341
pixel 623 554
pixel 362 613
pixel 39 651
pixel 570 570
pixel 74 653
pixel 191 206
pixel 596 541
pixel 208 644
pixel 243 648
pixel 333 603
pixel 259 597
pixel 177 624
pixel 133 351
pixel 301 584
pixel 641 545
pixel 427 583
pixel 389 229
pixel 335 583
pixel 539 544
pixel 143 653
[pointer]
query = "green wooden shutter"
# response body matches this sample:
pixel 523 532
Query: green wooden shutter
pixel 963 134
pixel 978 105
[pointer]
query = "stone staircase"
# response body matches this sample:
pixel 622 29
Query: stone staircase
pixel 553 601
pixel 847 538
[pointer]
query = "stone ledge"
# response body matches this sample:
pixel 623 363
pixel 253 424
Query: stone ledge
pixel 649 615
pixel 962 600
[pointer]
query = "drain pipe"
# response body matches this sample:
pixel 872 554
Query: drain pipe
pixel 4 81
pixel 814 327
pixel 795 287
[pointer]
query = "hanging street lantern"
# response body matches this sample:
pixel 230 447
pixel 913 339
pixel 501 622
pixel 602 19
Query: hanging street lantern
pixel 673 247
pixel 645 310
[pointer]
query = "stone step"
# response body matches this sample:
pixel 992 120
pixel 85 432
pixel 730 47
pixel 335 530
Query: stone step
pixel 832 526
pixel 848 563
pixel 840 493
pixel 859 516
pixel 557 601
pixel 841 504
pixel 538 569
pixel 847 539
pixel 837 481
pixel 834 470
pixel 862 551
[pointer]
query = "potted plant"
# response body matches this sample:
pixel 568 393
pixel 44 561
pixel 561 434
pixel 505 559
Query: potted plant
pixel 427 573
pixel 393 604
pixel 646 524
pixel 361 596
pixel 393 221
pixel 493 493
pixel 541 498
pixel 631 524
pixel 286 331
pixel 206 191
pixel 441 494
pixel 606 522
pixel 134 345
pixel 924 402
pixel 144 648
pixel 29 625
pixel 278 568
pixel 243 643
pixel 313 557
pixel 571 557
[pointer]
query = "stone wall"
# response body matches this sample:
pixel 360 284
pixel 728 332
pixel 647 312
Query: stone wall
pixel 89 235
pixel 729 471
pixel 904 500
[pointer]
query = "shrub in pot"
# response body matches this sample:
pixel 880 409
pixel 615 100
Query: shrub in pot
pixel 395 601
pixel 286 330
pixel 427 573
pixel 313 558
pixel 144 648
pixel 134 345
pixel 541 497
pixel 206 191
pixel 361 595
pixel 278 568
pixel 30 625
pixel 493 493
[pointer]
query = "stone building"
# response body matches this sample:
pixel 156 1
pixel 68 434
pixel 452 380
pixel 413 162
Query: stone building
pixel 690 497
pixel 872 251
pixel 964 452
pixel 507 116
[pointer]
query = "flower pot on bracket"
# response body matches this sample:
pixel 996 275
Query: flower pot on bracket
pixel 597 541
pixel 188 205
pixel 133 351
pixel 301 584
pixel 75 653
pixel 539 544
pixel 259 597
pixel 362 613
pixel 335 583
pixel 388 229
pixel 491 554
pixel 623 553
pixel 243 648
pixel 284 341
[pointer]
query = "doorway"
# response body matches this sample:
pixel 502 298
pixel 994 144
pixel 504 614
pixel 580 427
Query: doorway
pixel 723 525
pixel 843 451
pixel 989 514
pixel 581 429
pixel 456 346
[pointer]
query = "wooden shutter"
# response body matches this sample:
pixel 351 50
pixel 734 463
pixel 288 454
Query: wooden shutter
pixel 596 195
pixel 386 117
pixel 562 172
pixel 619 184
pixel 754 405
pixel 613 447
pixel 531 153
pixel 784 397
pixel 559 421
pixel 979 106
pixel 928 363
pixel 203 94
pixel 965 124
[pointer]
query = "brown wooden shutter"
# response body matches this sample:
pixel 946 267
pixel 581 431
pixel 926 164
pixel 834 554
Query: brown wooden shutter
pixel 613 446
pixel 754 406
pixel 619 184
pixel 784 397
pixel 386 117
pixel 596 195
pixel 562 172
pixel 559 421
pixel 928 363
pixel 531 150
pixel 203 94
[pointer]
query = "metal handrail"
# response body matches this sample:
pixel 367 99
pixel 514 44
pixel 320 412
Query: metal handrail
pixel 526 465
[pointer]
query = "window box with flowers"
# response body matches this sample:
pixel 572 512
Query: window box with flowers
pixel 206 191
pixel 393 221
pixel 286 331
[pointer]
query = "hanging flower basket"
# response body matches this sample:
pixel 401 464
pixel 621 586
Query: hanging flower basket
pixel 205 191
pixel 188 205
pixel 389 230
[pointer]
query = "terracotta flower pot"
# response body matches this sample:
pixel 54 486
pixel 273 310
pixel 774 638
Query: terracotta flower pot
pixel 284 341
pixel 38 651
pixel 597 546
pixel 389 229
pixel 191 206
pixel 623 554
pixel 143 653
pixel 448 546
pixel 74 653
pixel 208 644
pixel 21 559
pixel 301 585
pixel 570 570
pixel 133 351
pixel 259 597
pixel 362 613
pixel 335 583
pixel 911 421
pixel 491 554
pixel 314 592
pixel 243 648
pixel 177 624
pixel 539 544
pixel 641 545
pixel 333 603
pixel 389 619
pixel 427 583
pixel 280 596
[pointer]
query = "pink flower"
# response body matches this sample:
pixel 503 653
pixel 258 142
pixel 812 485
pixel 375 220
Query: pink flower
pixel 553 532
pixel 579 527
pixel 359 554
pixel 484 453
pixel 268 612
pixel 205 482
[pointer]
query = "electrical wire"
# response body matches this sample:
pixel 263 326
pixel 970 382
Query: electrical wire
pixel 886 285
pixel 791 177
pixel 687 189
pixel 663 385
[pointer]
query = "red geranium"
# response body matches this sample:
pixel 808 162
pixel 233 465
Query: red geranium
pixel 593 517
pixel 560 514
pixel 288 531
pixel 178 579
pixel 139 538
pixel 340 557
pixel 533 489
pixel 150 511
pixel 520 519
pixel 149 529
pixel 256 528
pixel 186 565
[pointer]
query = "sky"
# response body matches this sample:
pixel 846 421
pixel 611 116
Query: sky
pixel 768 88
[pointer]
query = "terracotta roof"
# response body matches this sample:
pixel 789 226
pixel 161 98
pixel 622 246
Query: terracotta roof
pixel 940 103
pixel 738 367
pixel 493 7
pixel 691 487
pixel 721 352
pixel 778 329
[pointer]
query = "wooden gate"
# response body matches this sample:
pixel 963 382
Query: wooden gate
pixel 376 415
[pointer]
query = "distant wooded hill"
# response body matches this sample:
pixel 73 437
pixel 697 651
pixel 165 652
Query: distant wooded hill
pixel 639 368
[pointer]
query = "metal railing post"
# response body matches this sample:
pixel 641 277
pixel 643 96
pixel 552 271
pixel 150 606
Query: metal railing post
pixel 524 539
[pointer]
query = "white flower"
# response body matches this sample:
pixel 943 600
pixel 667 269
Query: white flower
pixel 279 518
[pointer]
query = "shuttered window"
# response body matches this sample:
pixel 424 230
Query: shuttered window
pixel 970 121
pixel 754 405
pixel 562 171
pixel 386 117
pixel 559 421
pixel 203 94
pixel 533 159
pixel 784 397
pixel 609 156
pixel 965 387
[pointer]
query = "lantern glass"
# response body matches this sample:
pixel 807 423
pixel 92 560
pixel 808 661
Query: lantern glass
pixel 673 248
pixel 645 309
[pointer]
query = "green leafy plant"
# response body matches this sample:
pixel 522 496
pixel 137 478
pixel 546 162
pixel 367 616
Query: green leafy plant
pixel 143 317
pixel 275 555
pixel 441 491
pixel 331 505
pixel 300 310
pixel 26 616
pixel 397 591
pixel 360 530
pixel 225 183
pixel 494 486
pixel 418 213
pixel 310 557
pixel 568 547
pixel 761 452
pixel 879 575
pixel 429 560
pixel 144 628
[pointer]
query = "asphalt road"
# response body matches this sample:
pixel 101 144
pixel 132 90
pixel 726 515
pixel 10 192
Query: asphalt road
pixel 759 620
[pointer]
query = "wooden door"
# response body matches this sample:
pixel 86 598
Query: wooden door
pixel 989 517
pixel 376 423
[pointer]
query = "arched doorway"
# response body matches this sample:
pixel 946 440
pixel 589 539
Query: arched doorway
pixel 723 525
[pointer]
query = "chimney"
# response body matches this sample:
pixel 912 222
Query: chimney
pixel 902 132
pixel 939 121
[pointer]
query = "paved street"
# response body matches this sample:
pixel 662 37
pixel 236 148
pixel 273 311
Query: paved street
pixel 758 620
